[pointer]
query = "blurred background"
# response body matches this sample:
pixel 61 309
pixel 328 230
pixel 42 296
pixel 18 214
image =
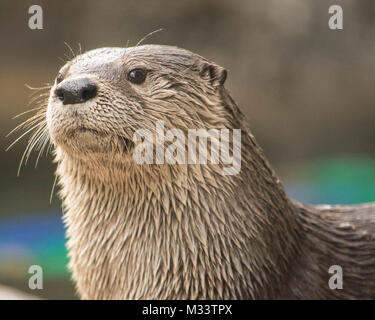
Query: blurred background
pixel 306 90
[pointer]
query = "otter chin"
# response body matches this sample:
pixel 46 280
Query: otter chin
pixel 186 231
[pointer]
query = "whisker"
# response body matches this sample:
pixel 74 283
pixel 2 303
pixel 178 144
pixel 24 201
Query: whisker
pixel 22 158
pixel 44 140
pixel 148 35
pixel 24 112
pixel 71 50
pixel 33 142
pixel 48 86
pixel 27 123
pixel 21 136
pixel 48 149
pixel 35 125
pixel 53 188
pixel 41 96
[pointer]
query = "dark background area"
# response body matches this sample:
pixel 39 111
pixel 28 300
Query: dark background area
pixel 307 91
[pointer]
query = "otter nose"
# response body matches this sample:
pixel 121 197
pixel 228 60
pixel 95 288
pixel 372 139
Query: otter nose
pixel 76 90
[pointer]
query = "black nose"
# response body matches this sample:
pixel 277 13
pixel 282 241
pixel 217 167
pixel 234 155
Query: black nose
pixel 76 90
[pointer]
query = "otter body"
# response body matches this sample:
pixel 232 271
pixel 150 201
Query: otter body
pixel 162 231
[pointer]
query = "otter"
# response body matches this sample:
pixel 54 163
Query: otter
pixel 185 231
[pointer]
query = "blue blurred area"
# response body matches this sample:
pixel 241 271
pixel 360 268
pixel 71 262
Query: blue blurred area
pixel 348 180
pixel 32 239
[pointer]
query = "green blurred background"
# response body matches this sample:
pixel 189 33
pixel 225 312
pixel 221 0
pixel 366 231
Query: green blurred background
pixel 307 91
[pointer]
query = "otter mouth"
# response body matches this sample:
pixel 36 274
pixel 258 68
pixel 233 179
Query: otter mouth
pixel 125 142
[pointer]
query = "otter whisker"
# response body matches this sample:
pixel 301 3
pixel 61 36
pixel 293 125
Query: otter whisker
pixel 71 51
pixel 24 112
pixel 35 124
pixel 42 97
pixel 27 123
pixel 47 86
pixel 32 142
pixel 25 153
pixel 50 145
pixel 62 60
pixel 21 136
pixel 148 35
pixel 53 188
pixel 44 141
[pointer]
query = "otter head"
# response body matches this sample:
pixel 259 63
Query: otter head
pixel 102 97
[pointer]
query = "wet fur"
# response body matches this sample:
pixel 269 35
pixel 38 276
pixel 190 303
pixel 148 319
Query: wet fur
pixel 188 231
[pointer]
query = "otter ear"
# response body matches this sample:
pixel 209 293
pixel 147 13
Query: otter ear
pixel 215 74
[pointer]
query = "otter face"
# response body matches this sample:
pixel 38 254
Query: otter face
pixel 102 97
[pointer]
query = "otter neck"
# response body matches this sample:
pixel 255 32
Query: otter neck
pixel 183 232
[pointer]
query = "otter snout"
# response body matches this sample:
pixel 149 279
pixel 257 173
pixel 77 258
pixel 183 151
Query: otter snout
pixel 76 90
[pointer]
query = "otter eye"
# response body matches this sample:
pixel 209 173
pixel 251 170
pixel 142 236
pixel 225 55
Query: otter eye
pixel 137 76
pixel 59 78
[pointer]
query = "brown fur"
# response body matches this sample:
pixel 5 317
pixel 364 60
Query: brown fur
pixel 188 231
